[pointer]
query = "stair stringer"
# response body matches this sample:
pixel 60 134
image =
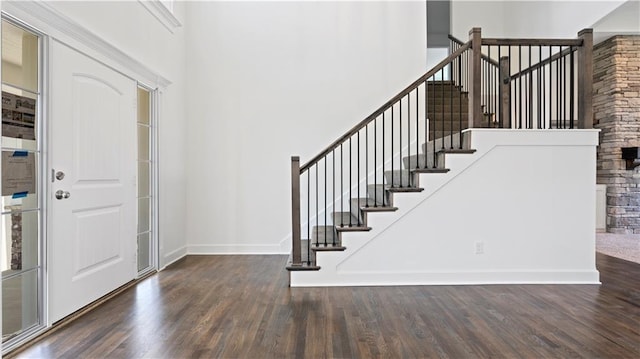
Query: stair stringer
pixel 401 250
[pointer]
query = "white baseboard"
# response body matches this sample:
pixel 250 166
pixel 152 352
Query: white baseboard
pixel 173 256
pixel 443 278
pixel 230 249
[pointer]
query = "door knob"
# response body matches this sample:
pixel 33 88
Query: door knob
pixel 60 194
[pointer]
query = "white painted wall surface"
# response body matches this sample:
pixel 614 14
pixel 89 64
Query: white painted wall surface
pixel 269 80
pixel 527 197
pixel 530 19
pixel 130 27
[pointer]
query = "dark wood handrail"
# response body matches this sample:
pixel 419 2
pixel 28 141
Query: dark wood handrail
pixel 385 107
pixel 484 57
pixel 532 42
pixel 544 62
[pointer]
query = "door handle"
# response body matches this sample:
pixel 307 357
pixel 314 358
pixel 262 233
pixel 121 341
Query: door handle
pixel 60 194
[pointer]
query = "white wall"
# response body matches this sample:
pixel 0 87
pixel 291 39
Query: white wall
pixel 519 18
pixel 276 79
pixel 526 197
pixel 130 27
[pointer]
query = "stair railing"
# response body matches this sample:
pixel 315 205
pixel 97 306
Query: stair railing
pixel 506 83
pixel 403 134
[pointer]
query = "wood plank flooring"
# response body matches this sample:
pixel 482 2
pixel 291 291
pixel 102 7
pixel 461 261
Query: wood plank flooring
pixel 241 307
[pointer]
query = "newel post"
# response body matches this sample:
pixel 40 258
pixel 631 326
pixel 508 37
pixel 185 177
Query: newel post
pixel 585 79
pixel 505 92
pixel 475 78
pixel 295 212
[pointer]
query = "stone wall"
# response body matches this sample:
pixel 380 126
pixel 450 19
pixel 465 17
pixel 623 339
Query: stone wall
pixel 616 107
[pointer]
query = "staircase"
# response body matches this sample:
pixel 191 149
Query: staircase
pixel 337 194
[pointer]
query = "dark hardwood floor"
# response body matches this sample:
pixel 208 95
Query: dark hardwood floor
pixel 241 307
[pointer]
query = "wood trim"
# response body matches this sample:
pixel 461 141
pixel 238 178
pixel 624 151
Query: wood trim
pixel 475 78
pixel 505 93
pixel 585 79
pixel 531 42
pixel 296 255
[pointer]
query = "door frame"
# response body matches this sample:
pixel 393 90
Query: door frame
pixel 154 251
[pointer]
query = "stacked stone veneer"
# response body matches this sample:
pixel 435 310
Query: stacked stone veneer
pixel 616 107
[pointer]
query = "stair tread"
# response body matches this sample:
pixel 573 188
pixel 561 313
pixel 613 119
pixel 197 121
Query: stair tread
pixel 430 170
pixel 405 189
pixel 457 150
pixel 303 267
pixel 379 209
pixel 352 229
pixel 328 248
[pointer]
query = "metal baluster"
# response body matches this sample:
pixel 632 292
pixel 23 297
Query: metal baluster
pixel 520 85
pixel 358 171
pixel 350 170
pixel 342 185
pixel 309 217
pixel 366 162
pixel 417 125
pixel 384 129
pixel 375 155
pixel 325 200
pixel 317 212
pixel 400 159
pixel 571 89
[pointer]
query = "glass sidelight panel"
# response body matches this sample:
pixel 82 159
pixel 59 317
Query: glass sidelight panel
pixel 146 230
pixel 19 242
pixel 144 189
pixel 19 303
pixel 21 236
pixel 144 251
pixel 144 219
pixel 19 57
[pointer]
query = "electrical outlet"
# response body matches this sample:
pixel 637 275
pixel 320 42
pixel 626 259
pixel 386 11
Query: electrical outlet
pixel 479 247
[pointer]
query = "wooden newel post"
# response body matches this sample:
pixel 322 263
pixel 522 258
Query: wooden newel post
pixel 505 92
pixel 296 257
pixel 585 79
pixel 475 79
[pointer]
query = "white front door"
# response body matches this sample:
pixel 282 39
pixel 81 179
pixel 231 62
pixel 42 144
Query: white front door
pixel 92 242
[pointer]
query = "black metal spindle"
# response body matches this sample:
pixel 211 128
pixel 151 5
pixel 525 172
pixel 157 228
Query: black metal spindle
pixel 400 158
pixel 325 200
pixel 392 147
pixel 309 217
pixel 444 131
pixel 539 87
pixel 408 130
pixel 375 156
pixel 384 129
pixel 500 119
pixel 317 212
pixel 342 184
pixel 350 184
pixel 550 86
pixel 450 110
pixel 417 124
pixel 426 120
pixel 563 88
pixel 357 171
pixel 530 102
pixel 571 89
pixel 520 85
pixel 333 186
pixel 366 161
